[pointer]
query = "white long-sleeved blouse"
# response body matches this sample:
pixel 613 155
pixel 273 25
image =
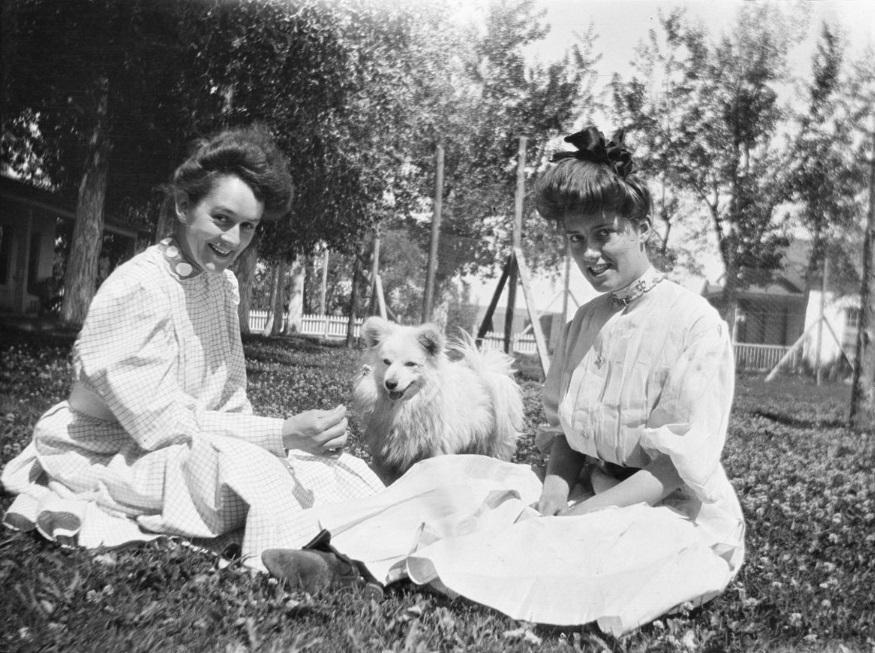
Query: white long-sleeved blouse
pixel 654 377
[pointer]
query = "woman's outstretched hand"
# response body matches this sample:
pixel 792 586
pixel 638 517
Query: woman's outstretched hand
pixel 554 496
pixel 316 431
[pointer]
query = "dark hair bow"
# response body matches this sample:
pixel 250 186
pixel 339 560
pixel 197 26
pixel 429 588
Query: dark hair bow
pixel 591 146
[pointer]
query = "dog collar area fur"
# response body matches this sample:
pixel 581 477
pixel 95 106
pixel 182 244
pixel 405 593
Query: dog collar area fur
pixel 643 284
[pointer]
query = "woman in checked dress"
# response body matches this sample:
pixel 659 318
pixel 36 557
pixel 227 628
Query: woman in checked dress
pixel 157 435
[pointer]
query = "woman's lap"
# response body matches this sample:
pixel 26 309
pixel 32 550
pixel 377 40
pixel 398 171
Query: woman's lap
pixel 209 487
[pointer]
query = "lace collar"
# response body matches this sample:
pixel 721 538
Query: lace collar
pixel 180 267
pixel 645 283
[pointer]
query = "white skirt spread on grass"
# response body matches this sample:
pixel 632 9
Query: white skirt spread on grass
pixel 465 526
pixel 462 524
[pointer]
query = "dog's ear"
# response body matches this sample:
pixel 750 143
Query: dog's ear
pixel 431 339
pixel 374 330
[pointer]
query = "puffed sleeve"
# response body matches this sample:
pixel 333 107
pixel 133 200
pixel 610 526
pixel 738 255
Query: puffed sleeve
pixel 690 419
pixel 127 354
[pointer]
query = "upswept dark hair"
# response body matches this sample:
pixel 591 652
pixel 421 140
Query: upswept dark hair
pixel 249 153
pixel 578 186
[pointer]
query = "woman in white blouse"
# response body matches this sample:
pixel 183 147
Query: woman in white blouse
pixel 157 435
pixel 639 396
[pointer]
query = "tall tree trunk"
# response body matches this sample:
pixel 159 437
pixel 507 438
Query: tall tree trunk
pixel 245 270
pixel 277 299
pixel 441 311
pixel 296 296
pixel 323 290
pixel 862 416
pixel 730 297
pixel 353 298
pixel 271 304
pixel 80 277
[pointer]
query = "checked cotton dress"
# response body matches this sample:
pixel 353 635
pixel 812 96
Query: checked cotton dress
pixel 166 442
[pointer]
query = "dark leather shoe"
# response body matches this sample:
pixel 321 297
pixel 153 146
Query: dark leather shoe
pixel 313 571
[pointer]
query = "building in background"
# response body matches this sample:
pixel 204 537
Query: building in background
pixel 786 311
pixel 35 225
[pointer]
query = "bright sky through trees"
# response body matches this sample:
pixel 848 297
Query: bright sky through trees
pixel 621 24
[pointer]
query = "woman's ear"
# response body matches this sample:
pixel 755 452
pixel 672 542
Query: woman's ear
pixel 645 231
pixel 644 228
pixel 180 205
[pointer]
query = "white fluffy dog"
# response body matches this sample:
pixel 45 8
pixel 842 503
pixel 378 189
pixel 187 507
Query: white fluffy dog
pixel 414 402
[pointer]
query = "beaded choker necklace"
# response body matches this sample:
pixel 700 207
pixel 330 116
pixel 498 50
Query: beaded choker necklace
pixel 181 268
pixel 645 283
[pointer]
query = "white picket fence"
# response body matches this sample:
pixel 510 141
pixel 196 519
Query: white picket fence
pixel 758 358
pixel 523 343
pixel 324 326
pixel 335 326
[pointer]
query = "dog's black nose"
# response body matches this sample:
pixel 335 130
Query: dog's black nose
pixel 391 385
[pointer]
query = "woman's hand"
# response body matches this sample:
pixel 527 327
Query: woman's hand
pixel 316 431
pixel 554 496
pixel 649 485
pixel 563 470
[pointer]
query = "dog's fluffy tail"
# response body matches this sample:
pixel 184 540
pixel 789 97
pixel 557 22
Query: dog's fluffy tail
pixel 497 371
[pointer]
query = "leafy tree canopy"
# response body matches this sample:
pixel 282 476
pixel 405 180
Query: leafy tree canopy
pixel 706 116
pixel 54 55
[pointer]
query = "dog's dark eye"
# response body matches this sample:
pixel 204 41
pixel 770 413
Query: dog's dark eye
pixel 410 364
pixel 386 361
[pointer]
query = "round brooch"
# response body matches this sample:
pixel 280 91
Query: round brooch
pixel 179 265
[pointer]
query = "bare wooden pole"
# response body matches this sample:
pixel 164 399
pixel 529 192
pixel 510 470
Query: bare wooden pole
pixel 486 324
pixel 381 299
pixel 375 271
pixel 378 301
pixel 818 354
pixel 862 414
pixel 516 241
pixel 534 316
pixel 323 293
pixel 428 299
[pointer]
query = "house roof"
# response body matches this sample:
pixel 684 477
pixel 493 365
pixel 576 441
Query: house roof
pixel 62 205
pixel 790 280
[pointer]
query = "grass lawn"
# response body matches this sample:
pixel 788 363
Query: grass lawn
pixel 806 485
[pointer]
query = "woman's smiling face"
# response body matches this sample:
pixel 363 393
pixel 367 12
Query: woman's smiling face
pixel 608 248
pixel 221 225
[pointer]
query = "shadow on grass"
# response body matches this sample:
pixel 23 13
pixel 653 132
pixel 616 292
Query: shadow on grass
pixel 63 336
pixel 796 422
pixel 309 344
